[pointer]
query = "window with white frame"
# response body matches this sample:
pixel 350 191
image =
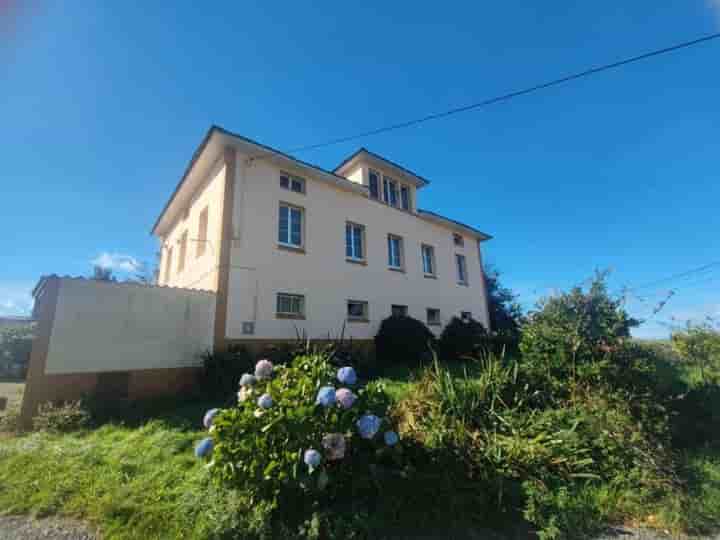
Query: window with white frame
pixel 433 316
pixel 390 191
pixel 428 259
pixel 397 310
pixel 395 252
pixel 461 269
pixel 292 182
pixel 290 305
pixel 354 241
pixel 405 197
pixel 357 310
pixel 290 226
pixel 374 184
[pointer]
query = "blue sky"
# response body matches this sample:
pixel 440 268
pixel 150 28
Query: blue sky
pixel 102 105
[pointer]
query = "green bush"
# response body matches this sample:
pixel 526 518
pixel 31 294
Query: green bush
pixel 260 445
pixel 62 417
pixel 462 339
pixel 15 346
pixel 403 340
pixel 221 371
pixel 695 421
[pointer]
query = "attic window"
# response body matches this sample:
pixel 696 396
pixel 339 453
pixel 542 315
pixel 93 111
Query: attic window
pixel 292 183
pixel 458 240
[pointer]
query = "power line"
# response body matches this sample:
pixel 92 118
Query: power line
pixel 508 96
pixel 675 276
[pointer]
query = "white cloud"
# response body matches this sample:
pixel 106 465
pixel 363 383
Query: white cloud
pixel 118 262
pixel 15 298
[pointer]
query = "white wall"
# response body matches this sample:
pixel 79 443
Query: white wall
pixel 105 326
pixel 259 269
pixel 199 272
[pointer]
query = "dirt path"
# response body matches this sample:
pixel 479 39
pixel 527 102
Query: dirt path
pixel 24 528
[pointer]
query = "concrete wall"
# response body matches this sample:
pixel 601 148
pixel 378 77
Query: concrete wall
pixel 200 272
pixel 103 326
pixel 260 269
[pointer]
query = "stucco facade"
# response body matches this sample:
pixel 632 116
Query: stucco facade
pixel 257 267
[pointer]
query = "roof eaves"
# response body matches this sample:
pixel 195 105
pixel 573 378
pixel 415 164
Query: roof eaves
pixel 485 236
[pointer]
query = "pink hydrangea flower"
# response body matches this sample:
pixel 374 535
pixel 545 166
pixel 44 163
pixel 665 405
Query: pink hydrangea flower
pixel 334 445
pixel 263 369
pixel 345 398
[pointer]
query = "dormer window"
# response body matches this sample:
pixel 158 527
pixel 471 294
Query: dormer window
pixel 405 197
pixel 374 184
pixel 292 183
pixel 390 191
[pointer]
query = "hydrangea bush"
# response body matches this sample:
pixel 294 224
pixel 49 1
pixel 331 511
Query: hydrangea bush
pixel 302 432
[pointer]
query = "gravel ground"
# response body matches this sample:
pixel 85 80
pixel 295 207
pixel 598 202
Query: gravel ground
pixel 24 528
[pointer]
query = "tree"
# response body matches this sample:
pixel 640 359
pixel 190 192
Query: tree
pixel 699 345
pixel 101 273
pixel 506 315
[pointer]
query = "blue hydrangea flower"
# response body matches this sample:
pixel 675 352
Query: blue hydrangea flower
pixel 263 369
pixel 326 396
pixel 204 447
pixel 391 438
pixel 312 458
pixel 247 380
pixel 208 418
pixel 368 426
pixel 347 375
pixel 265 401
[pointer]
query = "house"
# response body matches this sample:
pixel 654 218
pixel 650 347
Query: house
pixel 287 245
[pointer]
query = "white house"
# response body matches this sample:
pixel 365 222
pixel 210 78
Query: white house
pixel 288 245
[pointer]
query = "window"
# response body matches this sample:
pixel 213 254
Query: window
pixel 293 183
pixel 291 305
pixel 202 233
pixel 398 310
pixel 168 265
pixel 374 184
pixel 390 191
pixel 290 226
pixel 461 269
pixel 466 316
pixel 405 197
pixel 357 310
pixel 428 260
pixel 354 241
pixel 433 316
pixel 458 240
pixel 183 251
pixel 395 255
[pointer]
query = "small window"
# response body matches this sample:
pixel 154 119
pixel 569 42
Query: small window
pixel 433 316
pixel 399 311
pixel 354 241
pixel 202 233
pixel 290 226
pixel 395 252
pixel 374 184
pixel 458 240
pixel 393 193
pixel 428 259
pixel 293 183
pixel 183 251
pixel 168 264
pixel 357 310
pixel 291 305
pixel 405 197
pixel 461 269
pixel 466 315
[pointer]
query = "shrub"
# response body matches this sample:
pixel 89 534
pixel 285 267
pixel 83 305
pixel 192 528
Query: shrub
pixel 62 417
pixel 576 326
pixel 15 346
pixel 696 416
pixel 699 346
pixel 403 340
pixel 10 421
pixel 461 339
pixel 221 371
pixel 294 441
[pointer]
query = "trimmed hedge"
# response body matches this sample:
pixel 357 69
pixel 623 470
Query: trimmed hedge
pixel 403 340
